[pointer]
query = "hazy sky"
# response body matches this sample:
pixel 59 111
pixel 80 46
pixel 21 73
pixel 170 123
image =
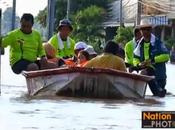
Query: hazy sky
pixel 25 6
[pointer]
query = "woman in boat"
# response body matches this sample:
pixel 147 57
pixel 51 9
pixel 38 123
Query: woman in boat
pixel 83 58
pixel 25 47
pixel 108 59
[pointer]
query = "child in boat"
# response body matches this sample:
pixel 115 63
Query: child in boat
pixel 79 46
pixel 83 58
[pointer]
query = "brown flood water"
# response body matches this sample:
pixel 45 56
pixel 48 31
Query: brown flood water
pixel 20 112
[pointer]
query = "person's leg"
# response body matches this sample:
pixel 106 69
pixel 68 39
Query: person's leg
pixel 32 67
pixel 46 64
pixel 156 89
pixel 162 83
pixel 21 65
pixel 154 85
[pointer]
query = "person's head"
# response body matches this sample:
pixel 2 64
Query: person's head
pixel 65 28
pixel 50 50
pixel 111 47
pixel 146 29
pixel 27 21
pixel 137 34
pixel 79 46
pixel 83 56
pixel 91 51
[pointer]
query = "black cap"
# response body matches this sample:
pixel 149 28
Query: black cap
pixel 65 22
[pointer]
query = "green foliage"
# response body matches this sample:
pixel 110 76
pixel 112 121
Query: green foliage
pixel 42 17
pixel 87 26
pixel 78 5
pixel 169 42
pixel 124 34
pixel 86 16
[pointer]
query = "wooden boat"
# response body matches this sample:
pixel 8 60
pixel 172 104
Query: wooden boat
pixel 86 82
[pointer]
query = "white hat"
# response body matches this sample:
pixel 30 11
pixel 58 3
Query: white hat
pixel 80 45
pixel 90 50
pixel 145 23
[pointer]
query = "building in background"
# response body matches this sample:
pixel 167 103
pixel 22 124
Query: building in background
pixel 161 13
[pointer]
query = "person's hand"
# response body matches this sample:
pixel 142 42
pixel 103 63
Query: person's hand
pixel 145 63
pixel 43 60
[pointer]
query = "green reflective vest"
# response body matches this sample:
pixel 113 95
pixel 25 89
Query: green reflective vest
pixel 23 46
pixel 68 48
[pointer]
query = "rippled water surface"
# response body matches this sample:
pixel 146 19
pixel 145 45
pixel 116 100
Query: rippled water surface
pixel 18 111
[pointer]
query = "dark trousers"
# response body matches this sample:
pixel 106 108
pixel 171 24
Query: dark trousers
pixel 157 86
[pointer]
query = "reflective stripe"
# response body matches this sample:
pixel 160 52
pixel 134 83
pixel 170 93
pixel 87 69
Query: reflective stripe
pixel 146 51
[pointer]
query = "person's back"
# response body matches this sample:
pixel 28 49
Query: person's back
pixel 108 59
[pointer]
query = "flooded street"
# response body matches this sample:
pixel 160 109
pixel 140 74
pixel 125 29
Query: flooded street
pixel 20 112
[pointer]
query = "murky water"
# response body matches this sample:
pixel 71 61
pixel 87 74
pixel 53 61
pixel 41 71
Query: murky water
pixel 20 112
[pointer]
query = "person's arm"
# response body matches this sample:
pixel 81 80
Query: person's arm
pixel 122 66
pixel 162 55
pixel 2 49
pixel 128 54
pixel 41 51
pixel 7 40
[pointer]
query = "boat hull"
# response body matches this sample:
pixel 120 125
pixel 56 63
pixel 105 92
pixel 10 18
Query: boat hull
pixel 93 83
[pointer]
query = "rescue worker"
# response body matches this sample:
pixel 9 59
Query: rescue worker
pixel 151 55
pixel 25 47
pixel 61 41
pixel 130 46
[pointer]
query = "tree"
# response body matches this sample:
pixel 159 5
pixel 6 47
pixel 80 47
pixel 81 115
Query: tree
pixel 88 26
pixel 124 34
pixel 87 17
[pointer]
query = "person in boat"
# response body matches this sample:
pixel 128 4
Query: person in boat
pixel 25 47
pixel 83 58
pixel 108 59
pixel 150 55
pixel 129 48
pixel 51 55
pixel 79 46
pixel 63 44
pixel 91 51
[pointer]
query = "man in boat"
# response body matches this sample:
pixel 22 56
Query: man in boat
pixel 129 48
pixel 108 59
pixel 150 55
pixel 61 41
pixel 25 47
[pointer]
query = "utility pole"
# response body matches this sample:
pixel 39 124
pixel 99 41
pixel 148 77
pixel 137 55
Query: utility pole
pixel 13 15
pixel 68 8
pixel 121 14
pixel 50 17
pixel 139 11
